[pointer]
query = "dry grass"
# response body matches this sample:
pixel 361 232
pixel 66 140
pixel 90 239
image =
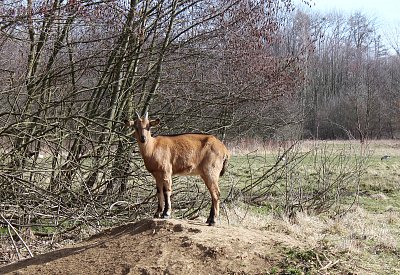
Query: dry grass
pixel 254 145
pixel 245 217
pixel 376 147
pixel 361 241
pixel 375 229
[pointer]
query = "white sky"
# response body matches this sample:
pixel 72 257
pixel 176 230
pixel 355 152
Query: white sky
pixel 386 12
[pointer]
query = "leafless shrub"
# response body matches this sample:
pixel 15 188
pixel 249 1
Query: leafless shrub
pixel 325 178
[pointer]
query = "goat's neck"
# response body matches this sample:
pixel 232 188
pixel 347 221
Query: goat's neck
pixel 146 149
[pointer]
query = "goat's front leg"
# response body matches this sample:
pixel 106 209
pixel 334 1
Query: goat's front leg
pixel 167 190
pixel 164 190
pixel 160 196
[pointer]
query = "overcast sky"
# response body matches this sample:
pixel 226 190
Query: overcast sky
pixel 387 12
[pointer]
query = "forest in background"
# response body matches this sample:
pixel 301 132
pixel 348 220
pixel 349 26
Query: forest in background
pixel 72 71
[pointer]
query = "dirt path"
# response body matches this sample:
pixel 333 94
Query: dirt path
pixel 164 247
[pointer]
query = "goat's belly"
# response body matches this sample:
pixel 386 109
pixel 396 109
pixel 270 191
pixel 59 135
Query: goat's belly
pixel 186 171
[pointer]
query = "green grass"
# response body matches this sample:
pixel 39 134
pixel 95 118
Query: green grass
pixel 3 231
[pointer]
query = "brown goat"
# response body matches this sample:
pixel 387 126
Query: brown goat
pixel 184 154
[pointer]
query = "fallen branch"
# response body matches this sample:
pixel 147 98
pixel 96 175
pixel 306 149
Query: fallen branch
pixel 19 236
pixel 329 265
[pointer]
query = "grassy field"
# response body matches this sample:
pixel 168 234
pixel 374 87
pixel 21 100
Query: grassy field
pixel 363 237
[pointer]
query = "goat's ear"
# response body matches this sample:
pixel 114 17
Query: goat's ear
pixel 155 122
pixel 129 123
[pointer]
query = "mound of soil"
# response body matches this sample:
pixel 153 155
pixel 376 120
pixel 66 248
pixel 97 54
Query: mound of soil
pixel 154 246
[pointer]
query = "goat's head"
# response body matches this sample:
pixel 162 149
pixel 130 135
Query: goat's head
pixel 142 127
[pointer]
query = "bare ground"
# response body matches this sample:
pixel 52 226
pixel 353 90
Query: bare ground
pixel 166 247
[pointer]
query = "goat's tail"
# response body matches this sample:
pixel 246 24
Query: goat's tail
pixel 224 165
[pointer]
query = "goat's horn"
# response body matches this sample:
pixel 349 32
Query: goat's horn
pixel 146 115
pixel 137 114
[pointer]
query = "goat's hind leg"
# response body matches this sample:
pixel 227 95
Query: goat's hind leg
pixel 214 211
pixel 211 217
pixel 212 185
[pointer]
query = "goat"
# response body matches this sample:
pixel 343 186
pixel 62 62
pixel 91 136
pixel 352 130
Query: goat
pixel 182 154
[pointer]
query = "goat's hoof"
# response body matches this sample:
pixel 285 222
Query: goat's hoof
pixel 157 216
pixel 165 216
pixel 210 222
